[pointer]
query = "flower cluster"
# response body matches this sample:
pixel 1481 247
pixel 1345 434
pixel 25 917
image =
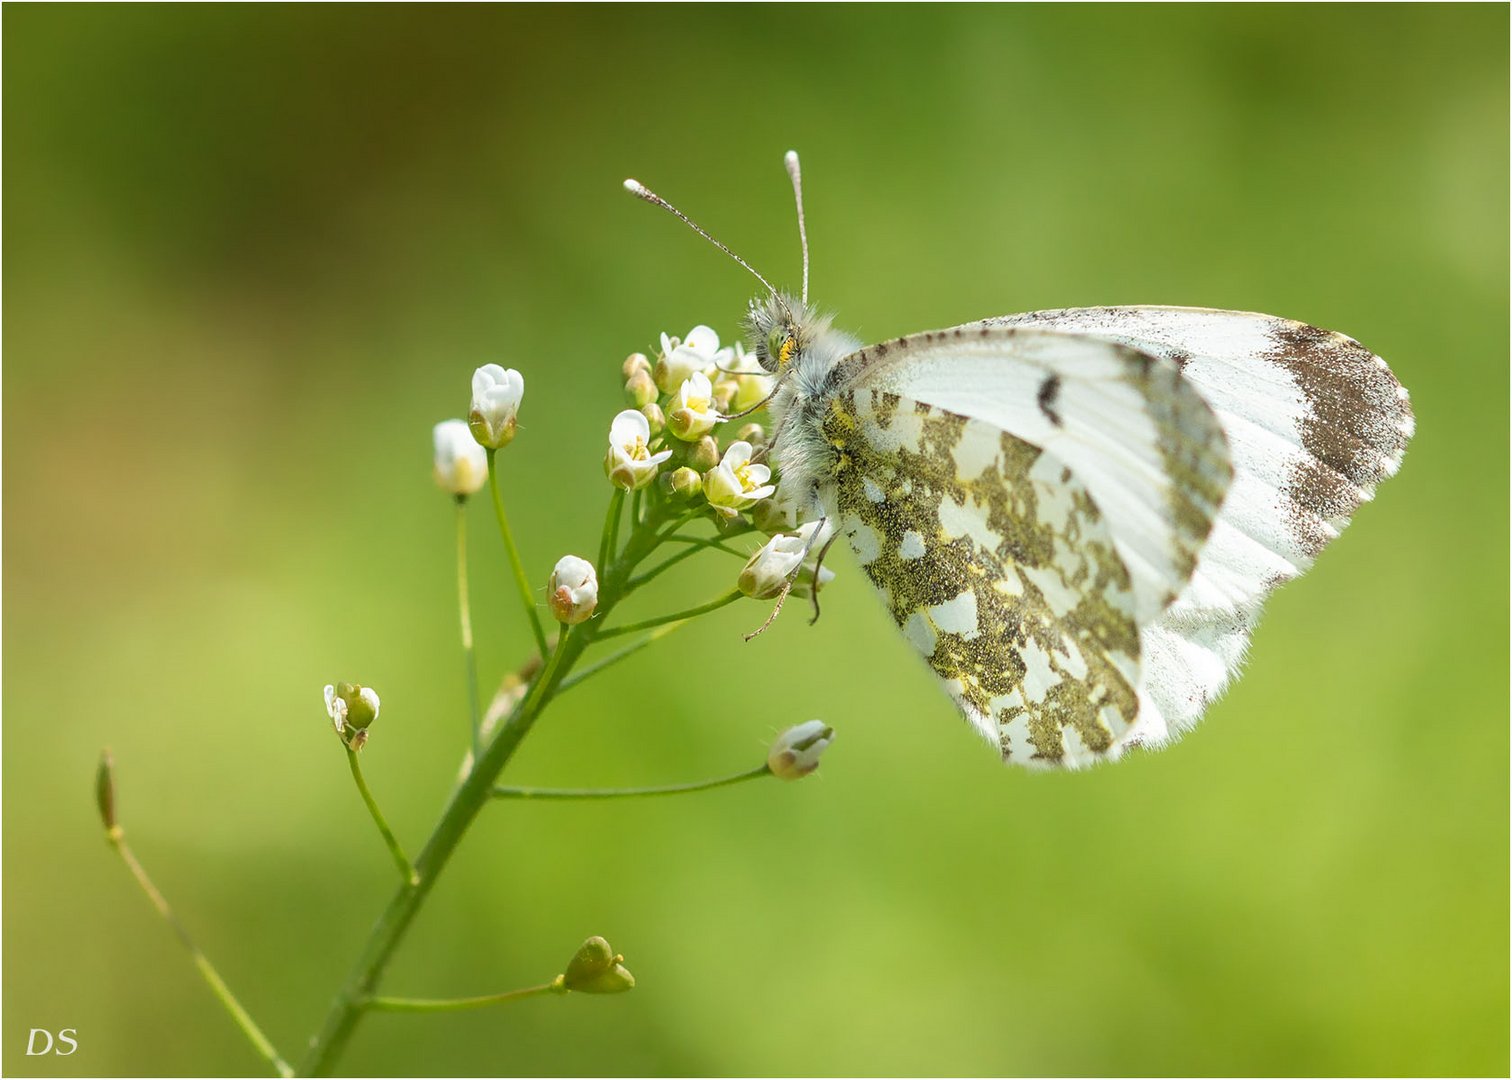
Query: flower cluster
pixel 672 444
pixel 680 399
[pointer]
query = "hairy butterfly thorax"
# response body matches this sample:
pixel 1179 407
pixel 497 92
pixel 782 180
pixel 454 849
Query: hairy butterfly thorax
pixel 798 345
pixel 1075 516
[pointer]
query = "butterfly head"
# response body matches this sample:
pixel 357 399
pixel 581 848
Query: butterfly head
pixel 781 328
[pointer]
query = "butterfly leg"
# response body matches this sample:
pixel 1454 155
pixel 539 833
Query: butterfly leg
pixel 776 609
pixel 818 563
pixel 787 586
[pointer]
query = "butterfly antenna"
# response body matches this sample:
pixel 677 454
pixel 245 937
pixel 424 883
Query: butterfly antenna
pixel 790 159
pixel 641 191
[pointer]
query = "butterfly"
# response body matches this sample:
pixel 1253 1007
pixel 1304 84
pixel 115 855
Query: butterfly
pixel 1075 516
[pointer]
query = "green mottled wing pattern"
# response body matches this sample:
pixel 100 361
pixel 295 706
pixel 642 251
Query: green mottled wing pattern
pixel 998 567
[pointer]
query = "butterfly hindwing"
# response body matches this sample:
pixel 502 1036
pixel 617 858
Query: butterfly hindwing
pixel 1314 421
pixel 998 567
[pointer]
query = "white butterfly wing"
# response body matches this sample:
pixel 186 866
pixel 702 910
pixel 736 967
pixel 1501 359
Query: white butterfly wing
pixel 1026 502
pixel 1145 445
pixel 1309 420
pixel 1314 422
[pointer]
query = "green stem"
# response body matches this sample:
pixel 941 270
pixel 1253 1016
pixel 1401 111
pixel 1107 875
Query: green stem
pixel 467 800
pixel 217 985
pixel 694 546
pixel 615 657
pixel 610 536
pixel 526 596
pixel 388 1004
pixel 626 793
pixel 702 609
pixel 406 870
pixel 464 607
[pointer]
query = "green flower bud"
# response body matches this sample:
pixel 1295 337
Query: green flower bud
pixel 635 362
pixel 596 969
pixel 105 795
pixel 754 434
pixel 641 389
pixel 705 454
pixel 685 483
pixel 771 516
pixel 655 417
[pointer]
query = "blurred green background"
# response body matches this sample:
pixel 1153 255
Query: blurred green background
pixel 253 253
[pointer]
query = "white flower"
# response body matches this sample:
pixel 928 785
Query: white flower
pixel 497 392
pixel 573 592
pixel 737 482
pixel 461 464
pixel 767 571
pixel 796 752
pixel 699 352
pixel 630 464
pixel 778 561
pixel 753 384
pixel 351 709
pixel 691 412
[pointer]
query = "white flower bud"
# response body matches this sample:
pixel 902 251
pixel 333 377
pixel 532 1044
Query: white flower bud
pixel 796 752
pixel 635 362
pixel 630 463
pixel 461 465
pixel 497 393
pixel 573 592
pixel 691 412
pixel 737 482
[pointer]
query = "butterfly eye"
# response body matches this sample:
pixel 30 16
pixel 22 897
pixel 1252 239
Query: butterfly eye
pixel 777 342
pixel 781 345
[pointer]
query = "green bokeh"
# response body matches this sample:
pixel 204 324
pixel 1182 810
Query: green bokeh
pixel 253 253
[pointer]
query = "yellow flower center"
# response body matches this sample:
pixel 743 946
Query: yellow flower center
pixel 743 474
pixel 697 404
pixel 637 450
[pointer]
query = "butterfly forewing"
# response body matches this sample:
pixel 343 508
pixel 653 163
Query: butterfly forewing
pixel 1140 440
pixel 999 568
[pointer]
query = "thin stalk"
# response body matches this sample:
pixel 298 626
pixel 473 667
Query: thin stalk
pixel 615 657
pixel 716 542
pixel 467 800
pixel 693 548
pixel 627 793
pixel 526 596
pixel 464 608
pixel 217 985
pixel 406 870
pixel 390 1004
pixel 702 609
